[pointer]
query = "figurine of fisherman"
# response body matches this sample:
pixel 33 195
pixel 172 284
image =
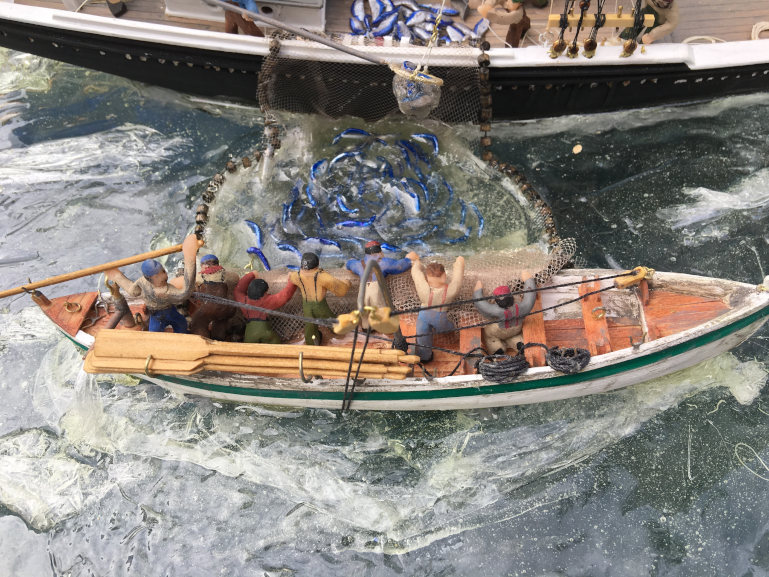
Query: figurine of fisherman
pixel 212 319
pixel 253 291
pixel 314 283
pixel 389 266
pixel 434 289
pixel 510 313
pixel 665 14
pixel 233 21
pixel 507 12
pixel 161 297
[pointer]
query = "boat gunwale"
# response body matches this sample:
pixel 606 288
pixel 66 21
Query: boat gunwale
pixel 753 307
pixel 696 57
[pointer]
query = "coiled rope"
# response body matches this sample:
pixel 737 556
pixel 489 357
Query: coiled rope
pixel 504 368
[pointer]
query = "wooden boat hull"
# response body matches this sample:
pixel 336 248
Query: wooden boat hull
pixel 525 82
pixel 605 372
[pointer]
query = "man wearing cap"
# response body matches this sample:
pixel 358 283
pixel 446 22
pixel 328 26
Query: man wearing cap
pixel 314 283
pixel 253 291
pixel 159 296
pixel 433 289
pixel 373 251
pixel 505 334
pixel 212 319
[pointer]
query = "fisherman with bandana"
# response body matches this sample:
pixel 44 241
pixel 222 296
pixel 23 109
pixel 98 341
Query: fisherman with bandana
pixel 509 313
pixel 212 319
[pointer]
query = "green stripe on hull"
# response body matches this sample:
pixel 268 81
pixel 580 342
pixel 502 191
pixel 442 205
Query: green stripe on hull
pixel 494 389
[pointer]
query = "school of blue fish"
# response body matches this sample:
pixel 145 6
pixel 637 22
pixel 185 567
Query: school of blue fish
pixel 410 22
pixel 373 187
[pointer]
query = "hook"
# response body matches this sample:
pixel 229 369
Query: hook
pixel 301 369
pixel 637 345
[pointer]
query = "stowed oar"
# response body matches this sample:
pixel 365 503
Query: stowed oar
pixel 261 366
pixel 91 270
pixel 117 343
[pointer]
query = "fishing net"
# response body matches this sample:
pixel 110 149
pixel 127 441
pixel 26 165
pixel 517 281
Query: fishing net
pixel 491 268
pixel 369 91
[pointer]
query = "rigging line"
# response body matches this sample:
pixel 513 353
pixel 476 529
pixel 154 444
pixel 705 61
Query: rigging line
pixel 583 7
pixel 357 372
pixel 224 301
pixel 490 322
pixel 345 404
pixel 512 293
pixel 431 42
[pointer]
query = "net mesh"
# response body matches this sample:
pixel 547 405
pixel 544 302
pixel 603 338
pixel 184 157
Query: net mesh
pixel 368 91
pixel 491 268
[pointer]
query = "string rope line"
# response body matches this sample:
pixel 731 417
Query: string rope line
pixel 225 301
pixel 512 293
pixel 430 44
pixel 491 322
pixel 331 323
pixel 760 460
pixel 346 399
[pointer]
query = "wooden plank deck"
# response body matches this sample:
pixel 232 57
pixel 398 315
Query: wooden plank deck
pixel 725 20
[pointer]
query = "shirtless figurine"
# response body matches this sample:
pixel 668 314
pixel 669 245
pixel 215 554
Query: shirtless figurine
pixel 505 334
pixel 159 296
pixel 314 283
pixel 434 289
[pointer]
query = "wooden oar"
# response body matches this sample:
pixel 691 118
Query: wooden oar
pixel 91 270
pixel 121 343
pixel 96 364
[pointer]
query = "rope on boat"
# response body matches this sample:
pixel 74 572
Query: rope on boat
pixel 228 302
pixel 350 387
pixel 568 360
pixel 502 368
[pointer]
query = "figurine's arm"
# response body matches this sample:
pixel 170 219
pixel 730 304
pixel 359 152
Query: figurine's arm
pixel 241 289
pixel 393 266
pixel 337 286
pixel 280 298
pixel 418 276
pixel 189 250
pixel 130 287
pixel 355 266
pixel 457 275
pixel 670 17
pixel 487 309
pixel 529 298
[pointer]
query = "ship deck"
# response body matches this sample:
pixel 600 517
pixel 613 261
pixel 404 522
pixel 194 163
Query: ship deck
pixel 699 19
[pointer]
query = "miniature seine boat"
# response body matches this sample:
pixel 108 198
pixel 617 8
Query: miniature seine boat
pixel 664 323
pixel 717 49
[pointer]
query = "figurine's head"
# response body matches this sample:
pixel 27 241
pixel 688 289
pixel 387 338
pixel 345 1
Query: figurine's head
pixel 257 288
pixel 373 248
pixel 310 261
pixel 502 297
pixel 435 274
pixel 209 260
pixel 154 272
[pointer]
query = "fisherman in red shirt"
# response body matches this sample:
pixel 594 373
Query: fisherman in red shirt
pixel 253 291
